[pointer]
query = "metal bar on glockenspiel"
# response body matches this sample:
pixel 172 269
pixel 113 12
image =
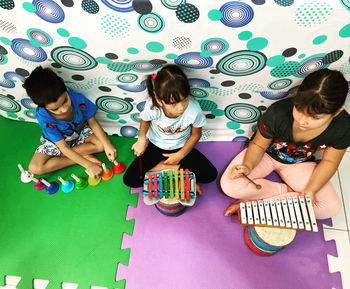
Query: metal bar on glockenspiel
pixel 311 213
pixel 249 213
pixel 292 213
pixel 274 213
pixel 155 185
pixel 261 212
pixel 298 213
pixel 280 213
pixel 160 183
pixel 304 213
pixel 176 177
pixel 187 187
pixel 268 212
pixel 286 213
pixel 171 187
pixel 243 213
pixel 255 212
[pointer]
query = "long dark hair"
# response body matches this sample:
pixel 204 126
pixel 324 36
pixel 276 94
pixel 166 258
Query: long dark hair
pixel 322 92
pixel 170 85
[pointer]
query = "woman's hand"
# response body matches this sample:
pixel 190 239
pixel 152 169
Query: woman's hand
pixel 111 151
pixel 174 158
pixel 238 171
pixel 94 170
pixel 139 147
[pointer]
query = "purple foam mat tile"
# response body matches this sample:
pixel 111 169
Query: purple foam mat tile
pixel 204 249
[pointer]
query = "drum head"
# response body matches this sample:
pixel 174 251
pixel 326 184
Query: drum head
pixel 276 237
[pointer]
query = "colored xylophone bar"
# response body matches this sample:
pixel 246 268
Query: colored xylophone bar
pixel 293 212
pixel 177 184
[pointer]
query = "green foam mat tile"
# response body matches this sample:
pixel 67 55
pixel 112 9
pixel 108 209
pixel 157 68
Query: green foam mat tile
pixel 74 237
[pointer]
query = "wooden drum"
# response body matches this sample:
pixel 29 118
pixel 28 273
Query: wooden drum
pixel 170 207
pixel 267 241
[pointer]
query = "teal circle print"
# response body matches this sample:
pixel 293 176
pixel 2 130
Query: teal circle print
pixel 311 64
pixel 187 13
pixel 280 84
pixel 319 39
pixel 127 77
pixel 245 35
pixel 241 63
pixel 40 36
pixel 199 92
pixel 73 58
pixel 154 46
pixel 172 4
pixel 207 105
pixel 242 113
pixel 215 46
pixel 286 69
pixel 152 22
pixel 257 43
pixel 8 104
pixel 113 104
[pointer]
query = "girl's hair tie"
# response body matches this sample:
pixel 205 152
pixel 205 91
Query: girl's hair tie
pixel 154 75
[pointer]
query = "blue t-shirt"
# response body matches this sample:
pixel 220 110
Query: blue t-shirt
pixel 55 129
pixel 172 133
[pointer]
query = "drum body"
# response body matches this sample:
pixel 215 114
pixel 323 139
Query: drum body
pixel 170 207
pixel 267 241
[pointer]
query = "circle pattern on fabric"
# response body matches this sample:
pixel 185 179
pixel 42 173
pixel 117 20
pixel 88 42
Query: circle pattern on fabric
pixel 135 117
pixel 286 69
pixel 49 11
pixel 194 60
pixel 273 94
pixel 187 13
pixel 73 58
pixel 215 46
pixel 198 82
pixel 113 104
pixel 172 4
pixel 236 14
pixel 7 4
pixel 199 92
pixel 90 6
pixel 240 138
pixel 119 5
pixel 128 131
pixel 127 77
pixel 311 64
pixel 242 113
pixel 207 105
pixel 332 56
pixel 28 103
pixel 41 36
pixel 280 84
pixel 144 66
pixel 346 3
pixel 182 42
pixel 241 63
pixel 9 105
pixel 30 113
pixel 24 49
pixel 119 67
pixel 151 22
pixel 133 87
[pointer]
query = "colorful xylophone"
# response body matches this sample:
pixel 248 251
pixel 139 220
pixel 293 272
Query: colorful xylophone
pixel 293 212
pixel 179 184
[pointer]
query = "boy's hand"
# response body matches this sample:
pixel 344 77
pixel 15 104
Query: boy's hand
pixel 139 147
pixel 94 170
pixel 111 152
pixel 174 158
pixel 238 171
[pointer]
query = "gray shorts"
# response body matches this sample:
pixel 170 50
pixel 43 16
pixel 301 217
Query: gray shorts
pixel 47 147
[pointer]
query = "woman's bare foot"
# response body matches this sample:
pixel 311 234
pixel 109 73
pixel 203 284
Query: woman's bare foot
pixel 93 159
pixel 199 190
pixel 233 208
pixel 161 166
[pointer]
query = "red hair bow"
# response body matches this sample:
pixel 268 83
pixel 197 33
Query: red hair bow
pixel 154 75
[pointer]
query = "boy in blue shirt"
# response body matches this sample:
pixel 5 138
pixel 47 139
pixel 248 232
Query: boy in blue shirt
pixel 71 134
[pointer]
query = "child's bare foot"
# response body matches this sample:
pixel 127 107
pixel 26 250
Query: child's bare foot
pixel 233 208
pixel 199 190
pixel 93 159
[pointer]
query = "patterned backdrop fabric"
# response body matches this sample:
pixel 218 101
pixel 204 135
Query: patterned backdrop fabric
pixel 240 56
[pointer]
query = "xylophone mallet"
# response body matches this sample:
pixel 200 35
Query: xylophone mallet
pixel 257 186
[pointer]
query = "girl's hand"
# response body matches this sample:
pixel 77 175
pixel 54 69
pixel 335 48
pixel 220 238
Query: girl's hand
pixel 238 171
pixel 312 196
pixel 173 159
pixel 111 152
pixel 139 147
pixel 94 170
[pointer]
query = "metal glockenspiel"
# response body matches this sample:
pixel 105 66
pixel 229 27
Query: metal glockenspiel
pixel 178 184
pixel 292 212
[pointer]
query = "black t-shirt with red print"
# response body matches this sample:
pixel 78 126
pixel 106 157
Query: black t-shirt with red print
pixel 277 123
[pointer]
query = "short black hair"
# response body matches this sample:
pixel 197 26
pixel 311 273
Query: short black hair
pixel 44 86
